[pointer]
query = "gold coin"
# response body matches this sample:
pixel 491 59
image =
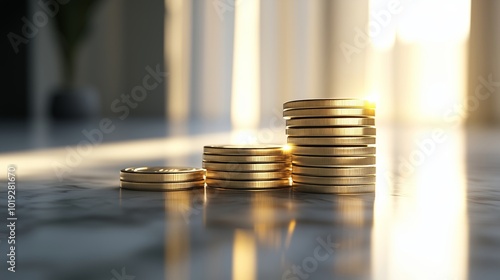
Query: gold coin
pixel 314 113
pixel 248 176
pixel 325 122
pixel 264 184
pixel 334 171
pixel 331 131
pixel 244 159
pixel 245 150
pixel 161 174
pixel 332 151
pixel 327 103
pixel 317 180
pixel 331 141
pixel 246 167
pixel 332 161
pixel 340 189
pixel 162 186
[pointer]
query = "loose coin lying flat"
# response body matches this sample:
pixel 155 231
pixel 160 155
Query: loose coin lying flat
pixel 325 122
pixel 245 150
pixel 331 141
pixel 314 113
pixel 244 159
pixel 332 151
pixel 333 161
pixel 248 176
pixel 331 131
pixel 328 103
pixel 246 167
pixel 162 186
pixel 229 184
pixel 161 174
pixel 345 189
pixel 333 180
pixel 334 171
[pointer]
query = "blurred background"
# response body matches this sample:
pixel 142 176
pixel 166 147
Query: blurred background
pixel 237 61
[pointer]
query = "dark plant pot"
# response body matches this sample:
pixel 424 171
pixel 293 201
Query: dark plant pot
pixel 77 103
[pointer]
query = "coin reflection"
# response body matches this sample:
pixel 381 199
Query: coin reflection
pixel 244 266
pixel 256 213
pixel 179 207
pixel 339 225
pixel 260 224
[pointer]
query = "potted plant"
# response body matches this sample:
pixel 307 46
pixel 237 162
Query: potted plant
pixel 70 101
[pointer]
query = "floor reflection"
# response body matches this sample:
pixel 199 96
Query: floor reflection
pixel 354 241
pixel 483 197
pixel 275 234
pixel 244 255
pixel 338 225
pixel 421 228
pixel 179 206
pixel 414 227
pixel 260 224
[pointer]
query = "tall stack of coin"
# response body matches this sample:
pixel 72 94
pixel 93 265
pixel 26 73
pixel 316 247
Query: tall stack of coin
pixel 331 144
pixel 162 178
pixel 247 166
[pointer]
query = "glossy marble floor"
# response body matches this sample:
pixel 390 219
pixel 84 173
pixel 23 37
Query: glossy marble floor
pixel 435 215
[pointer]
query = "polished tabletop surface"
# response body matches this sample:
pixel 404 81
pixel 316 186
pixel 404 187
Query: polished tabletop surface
pixel 435 214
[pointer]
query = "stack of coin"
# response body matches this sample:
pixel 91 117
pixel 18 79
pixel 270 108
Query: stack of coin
pixel 162 178
pixel 247 166
pixel 331 144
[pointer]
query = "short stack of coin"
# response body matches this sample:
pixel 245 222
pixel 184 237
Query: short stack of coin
pixel 162 178
pixel 331 144
pixel 250 167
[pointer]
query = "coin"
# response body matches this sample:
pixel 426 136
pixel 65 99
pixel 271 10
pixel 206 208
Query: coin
pixel 161 174
pixel 264 184
pixel 332 161
pixel 313 113
pixel 316 180
pixel 331 131
pixel 246 167
pixel 334 171
pixel 331 141
pixel 244 159
pixel 340 189
pixel 248 176
pixel 332 151
pixel 328 103
pixel 325 122
pixel 245 150
pixel 162 186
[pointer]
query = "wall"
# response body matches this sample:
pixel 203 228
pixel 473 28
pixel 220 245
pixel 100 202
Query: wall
pixel 126 36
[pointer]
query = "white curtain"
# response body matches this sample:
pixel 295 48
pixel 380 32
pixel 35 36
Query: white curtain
pixel 419 64
pixel 250 56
